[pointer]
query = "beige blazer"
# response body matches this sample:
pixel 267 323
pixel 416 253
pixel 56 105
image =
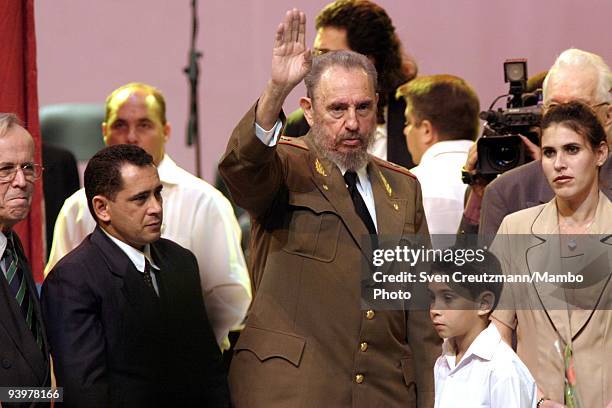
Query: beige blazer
pixel 539 311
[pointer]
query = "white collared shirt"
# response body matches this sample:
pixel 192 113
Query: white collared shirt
pixel 196 216
pixel 3 243
pixel 490 374
pixel 364 186
pixel 138 258
pixel 439 174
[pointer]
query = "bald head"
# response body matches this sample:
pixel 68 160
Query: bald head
pixel 136 114
pixel 582 76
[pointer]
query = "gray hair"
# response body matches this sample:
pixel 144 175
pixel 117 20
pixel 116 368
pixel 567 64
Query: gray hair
pixel 579 59
pixel 348 60
pixel 7 121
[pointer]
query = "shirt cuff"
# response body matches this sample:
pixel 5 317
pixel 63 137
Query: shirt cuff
pixel 268 137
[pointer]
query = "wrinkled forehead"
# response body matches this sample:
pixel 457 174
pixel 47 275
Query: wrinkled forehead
pixel 565 85
pixel 19 140
pixel 340 82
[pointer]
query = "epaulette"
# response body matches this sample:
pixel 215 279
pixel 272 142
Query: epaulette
pixel 394 167
pixel 293 141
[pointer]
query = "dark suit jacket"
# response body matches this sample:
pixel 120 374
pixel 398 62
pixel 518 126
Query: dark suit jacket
pixel 60 180
pixel 116 344
pixel 397 150
pixel 520 188
pixel 22 363
pixel 301 344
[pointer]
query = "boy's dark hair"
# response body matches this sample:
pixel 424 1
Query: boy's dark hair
pixel 489 265
pixel 103 172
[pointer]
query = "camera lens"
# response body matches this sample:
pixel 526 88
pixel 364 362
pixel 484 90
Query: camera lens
pixel 504 157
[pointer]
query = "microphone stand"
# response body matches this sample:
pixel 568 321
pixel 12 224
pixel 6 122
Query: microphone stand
pixel 193 73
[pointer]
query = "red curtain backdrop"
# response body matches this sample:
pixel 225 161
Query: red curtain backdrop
pixel 18 94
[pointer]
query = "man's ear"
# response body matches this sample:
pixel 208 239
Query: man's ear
pixel 101 208
pixel 485 302
pixel 608 124
pixel 428 133
pixel 167 130
pixel 306 105
pixel 608 118
pixel 104 129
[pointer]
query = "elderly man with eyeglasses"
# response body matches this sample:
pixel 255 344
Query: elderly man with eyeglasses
pixel 24 352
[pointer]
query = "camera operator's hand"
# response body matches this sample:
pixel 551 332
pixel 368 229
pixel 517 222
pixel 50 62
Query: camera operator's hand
pixel 472 158
pixel 479 183
pixel 532 148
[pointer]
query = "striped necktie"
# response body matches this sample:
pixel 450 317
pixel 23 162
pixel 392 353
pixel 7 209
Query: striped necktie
pixel 19 288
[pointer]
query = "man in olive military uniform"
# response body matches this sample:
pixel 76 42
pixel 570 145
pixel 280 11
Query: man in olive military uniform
pixel 307 341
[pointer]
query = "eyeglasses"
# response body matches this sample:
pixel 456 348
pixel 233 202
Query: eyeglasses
pixel 30 171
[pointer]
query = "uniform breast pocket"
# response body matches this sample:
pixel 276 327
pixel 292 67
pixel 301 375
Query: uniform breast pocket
pixel 313 227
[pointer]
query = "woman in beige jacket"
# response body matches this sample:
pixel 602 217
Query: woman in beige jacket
pixel 563 320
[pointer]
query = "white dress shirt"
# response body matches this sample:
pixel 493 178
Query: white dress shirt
pixel 364 186
pixel 138 258
pixel 439 173
pixel 197 217
pixel 490 374
pixel 3 244
pixel 378 147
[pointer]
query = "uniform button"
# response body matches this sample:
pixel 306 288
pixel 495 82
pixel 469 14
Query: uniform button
pixel 359 378
pixel 363 346
pixel 370 314
pixel 6 363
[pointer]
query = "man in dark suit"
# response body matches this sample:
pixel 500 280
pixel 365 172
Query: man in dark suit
pixel 365 27
pixel 575 75
pixel 24 356
pixel 319 204
pixel 127 322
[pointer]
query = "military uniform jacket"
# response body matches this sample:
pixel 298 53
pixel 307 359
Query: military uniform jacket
pixel 307 342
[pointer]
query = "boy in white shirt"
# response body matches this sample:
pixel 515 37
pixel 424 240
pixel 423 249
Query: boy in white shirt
pixel 477 368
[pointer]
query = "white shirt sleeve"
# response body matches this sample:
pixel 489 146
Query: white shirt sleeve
pixel 74 222
pixel 269 137
pixel 215 241
pixel 513 389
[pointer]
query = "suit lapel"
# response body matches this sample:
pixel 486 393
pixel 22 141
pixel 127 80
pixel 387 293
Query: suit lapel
pixel 596 268
pixel 12 319
pixel 543 256
pixel 166 280
pixel 329 181
pixel 118 264
pixel 390 210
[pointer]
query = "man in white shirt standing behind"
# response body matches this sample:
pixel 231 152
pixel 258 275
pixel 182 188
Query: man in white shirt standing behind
pixel 197 216
pixel 441 125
